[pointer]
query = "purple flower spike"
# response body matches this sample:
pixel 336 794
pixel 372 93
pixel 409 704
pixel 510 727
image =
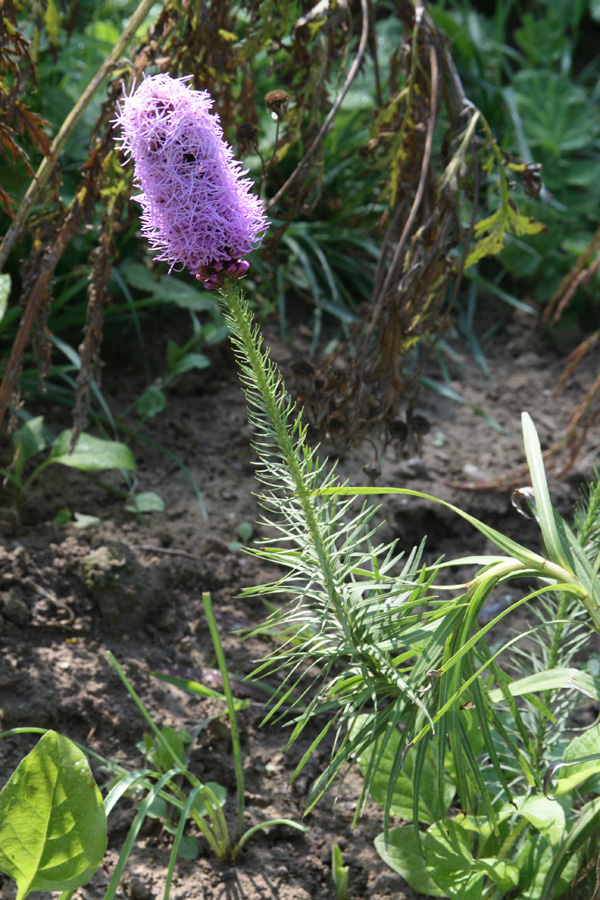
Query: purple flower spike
pixel 197 208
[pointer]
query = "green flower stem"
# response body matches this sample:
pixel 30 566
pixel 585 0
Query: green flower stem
pixel 235 738
pixel 554 655
pixel 235 310
pixel 512 837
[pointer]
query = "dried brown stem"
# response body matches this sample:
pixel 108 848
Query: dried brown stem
pixel 396 260
pixel 48 164
pixel 332 112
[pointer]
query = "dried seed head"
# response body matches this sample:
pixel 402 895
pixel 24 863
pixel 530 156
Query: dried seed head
pixel 303 368
pixel 337 422
pixel 247 139
pixel 372 470
pixel 198 210
pixel 419 424
pixel 398 430
pixel 277 103
pixel 303 373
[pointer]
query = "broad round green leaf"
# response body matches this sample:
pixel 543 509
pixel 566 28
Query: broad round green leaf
pixel 91 454
pixel 402 854
pixel 431 806
pixel 546 815
pixel 52 820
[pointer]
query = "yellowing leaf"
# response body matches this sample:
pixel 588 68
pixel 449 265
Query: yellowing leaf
pixel 493 231
pixel 52 21
pixel 228 36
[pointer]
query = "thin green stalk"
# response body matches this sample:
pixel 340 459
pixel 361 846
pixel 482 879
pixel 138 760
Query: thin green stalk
pixel 554 657
pixel 235 738
pixel 235 310
pixel 218 838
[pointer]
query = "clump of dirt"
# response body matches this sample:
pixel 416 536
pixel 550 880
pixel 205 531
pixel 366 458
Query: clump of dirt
pixel 134 585
pixel 127 590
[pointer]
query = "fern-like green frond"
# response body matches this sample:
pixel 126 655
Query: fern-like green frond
pixel 351 602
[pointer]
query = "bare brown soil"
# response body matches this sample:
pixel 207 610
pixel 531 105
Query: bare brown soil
pixel 58 618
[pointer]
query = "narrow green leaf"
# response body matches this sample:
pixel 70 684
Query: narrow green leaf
pixel 545 511
pixel 91 454
pixel 219 795
pixel 552 680
pixel 52 820
pixel 340 873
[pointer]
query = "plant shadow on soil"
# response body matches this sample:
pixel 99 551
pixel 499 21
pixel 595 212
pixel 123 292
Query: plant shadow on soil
pixel 56 622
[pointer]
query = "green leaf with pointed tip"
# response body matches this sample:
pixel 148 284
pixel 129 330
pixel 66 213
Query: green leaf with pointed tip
pixel 30 439
pixel 168 289
pixel 52 820
pixel 402 854
pixel 91 454
pixel 552 680
pixel 534 861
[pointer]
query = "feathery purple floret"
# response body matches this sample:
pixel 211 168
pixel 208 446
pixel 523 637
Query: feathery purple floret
pixel 197 208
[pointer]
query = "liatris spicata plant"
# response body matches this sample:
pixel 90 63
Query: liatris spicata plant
pixel 198 209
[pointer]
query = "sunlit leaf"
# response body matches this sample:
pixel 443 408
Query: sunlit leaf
pixel 52 821
pixel 552 680
pixel 577 773
pixel 546 815
pixel 451 864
